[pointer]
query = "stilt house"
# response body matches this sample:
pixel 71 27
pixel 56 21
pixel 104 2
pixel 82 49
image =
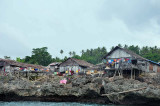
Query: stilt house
pixel 125 61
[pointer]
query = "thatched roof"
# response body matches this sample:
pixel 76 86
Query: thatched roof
pixel 18 64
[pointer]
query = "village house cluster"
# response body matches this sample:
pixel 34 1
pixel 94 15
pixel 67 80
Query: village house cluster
pixel 11 66
pixel 118 61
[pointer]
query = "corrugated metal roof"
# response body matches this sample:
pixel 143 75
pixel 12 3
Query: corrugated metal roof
pixel 79 62
pixel 153 62
pixel 54 63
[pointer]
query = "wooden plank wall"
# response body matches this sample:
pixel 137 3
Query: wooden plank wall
pixel 118 54
pixel 158 69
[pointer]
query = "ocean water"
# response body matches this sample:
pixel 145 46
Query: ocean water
pixel 49 104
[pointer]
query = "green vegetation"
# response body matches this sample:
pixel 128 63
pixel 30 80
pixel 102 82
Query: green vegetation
pixel 93 56
pixel 39 56
pixel 42 57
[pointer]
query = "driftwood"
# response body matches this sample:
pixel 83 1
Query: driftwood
pixel 124 91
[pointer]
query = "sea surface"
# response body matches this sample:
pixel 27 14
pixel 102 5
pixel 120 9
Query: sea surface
pixel 50 104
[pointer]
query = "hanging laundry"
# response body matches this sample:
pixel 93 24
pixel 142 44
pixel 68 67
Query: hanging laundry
pixel 36 69
pixel 118 60
pixel 129 61
pixel 109 61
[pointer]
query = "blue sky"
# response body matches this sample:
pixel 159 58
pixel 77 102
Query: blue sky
pixel 73 25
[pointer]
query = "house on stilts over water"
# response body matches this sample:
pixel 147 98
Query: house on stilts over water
pixel 123 62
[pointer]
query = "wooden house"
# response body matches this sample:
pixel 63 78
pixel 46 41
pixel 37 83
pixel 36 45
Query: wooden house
pixel 74 65
pixel 11 65
pixel 125 61
pixel 54 67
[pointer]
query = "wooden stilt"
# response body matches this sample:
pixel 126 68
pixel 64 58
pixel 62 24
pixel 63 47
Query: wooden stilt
pixel 28 74
pixel 18 75
pixel 115 73
pixel 134 74
pixel 122 73
pixel 131 73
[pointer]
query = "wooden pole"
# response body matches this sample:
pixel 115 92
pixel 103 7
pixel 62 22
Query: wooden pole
pixel 119 72
pixel 122 73
pixel 28 74
pixel 18 74
pixel 131 73
pixel 115 73
pixel 134 74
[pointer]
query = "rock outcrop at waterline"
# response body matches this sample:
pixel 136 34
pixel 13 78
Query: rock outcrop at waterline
pixel 80 89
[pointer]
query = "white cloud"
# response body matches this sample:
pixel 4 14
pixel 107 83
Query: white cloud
pixel 74 25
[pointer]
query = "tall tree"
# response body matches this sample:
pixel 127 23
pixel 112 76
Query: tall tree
pixel 61 51
pixel 82 52
pixel 41 56
pixel 112 47
pixel 73 53
pixel 70 53
pixel 126 46
pixel 119 45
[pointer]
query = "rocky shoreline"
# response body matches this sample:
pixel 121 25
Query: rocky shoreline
pixel 84 89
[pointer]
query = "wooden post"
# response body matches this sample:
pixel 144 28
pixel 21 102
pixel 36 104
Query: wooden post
pixel 18 75
pixel 119 72
pixel 28 74
pixel 131 73
pixel 134 75
pixel 115 73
